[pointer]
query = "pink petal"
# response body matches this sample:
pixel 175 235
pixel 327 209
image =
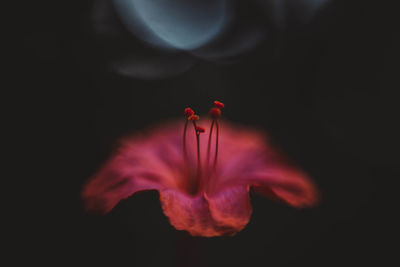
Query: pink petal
pixel 225 213
pixel 113 184
pixel 140 164
pixel 231 208
pixel 258 164
pixel 288 185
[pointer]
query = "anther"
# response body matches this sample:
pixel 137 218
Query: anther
pixel 215 113
pixel 218 104
pixel 188 112
pixel 193 118
pixel 200 129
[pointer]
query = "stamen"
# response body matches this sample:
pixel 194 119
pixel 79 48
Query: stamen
pixel 215 113
pixel 198 129
pixel 216 146
pixel 188 113
pixel 184 140
pixel 209 145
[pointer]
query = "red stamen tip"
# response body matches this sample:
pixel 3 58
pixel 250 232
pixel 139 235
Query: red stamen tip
pixel 188 112
pixel 215 113
pixel 218 104
pixel 200 129
pixel 194 118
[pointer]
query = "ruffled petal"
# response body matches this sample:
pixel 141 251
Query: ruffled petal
pixel 186 212
pixel 225 213
pixel 231 209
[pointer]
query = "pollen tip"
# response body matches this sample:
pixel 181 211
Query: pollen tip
pixel 218 104
pixel 188 112
pixel 200 129
pixel 194 117
pixel 215 112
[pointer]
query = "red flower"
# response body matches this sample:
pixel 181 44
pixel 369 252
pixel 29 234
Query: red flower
pixel 203 183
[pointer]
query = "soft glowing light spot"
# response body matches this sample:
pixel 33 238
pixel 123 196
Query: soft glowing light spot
pixel 180 24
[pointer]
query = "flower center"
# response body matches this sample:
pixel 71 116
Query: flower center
pixel 200 181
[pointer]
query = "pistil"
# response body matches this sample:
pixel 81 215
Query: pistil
pixel 209 145
pixel 188 113
pixel 196 128
pixel 216 146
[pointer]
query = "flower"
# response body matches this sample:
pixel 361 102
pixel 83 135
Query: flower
pixel 203 183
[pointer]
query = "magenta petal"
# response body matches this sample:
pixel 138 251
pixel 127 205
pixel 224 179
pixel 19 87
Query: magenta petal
pixel 248 159
pixel 113 184
pixel 225 213
pixel 231 208
pixel 288 185
pixel 270 176
pixel 136 166
pixel 186 212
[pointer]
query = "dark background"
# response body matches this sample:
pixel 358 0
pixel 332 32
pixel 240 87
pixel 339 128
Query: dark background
pixel 325 91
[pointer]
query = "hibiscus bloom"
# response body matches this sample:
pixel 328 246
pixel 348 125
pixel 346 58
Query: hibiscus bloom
pixel 203 178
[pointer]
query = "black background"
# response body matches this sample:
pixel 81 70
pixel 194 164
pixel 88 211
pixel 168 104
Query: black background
pixel 325 91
